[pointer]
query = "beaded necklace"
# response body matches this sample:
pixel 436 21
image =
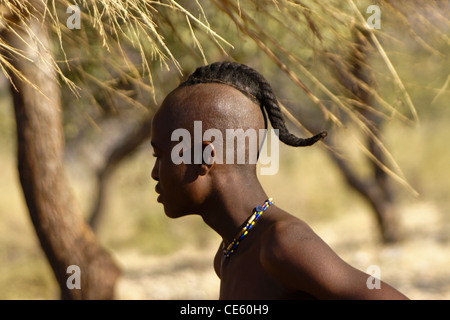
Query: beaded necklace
pixel 257 212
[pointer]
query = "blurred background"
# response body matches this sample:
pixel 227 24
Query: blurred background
pixel 376 190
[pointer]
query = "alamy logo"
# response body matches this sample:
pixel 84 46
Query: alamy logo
pixel 229 149
pixel 374 280
pixel 74 280
pixel 374 21
pixel 74 20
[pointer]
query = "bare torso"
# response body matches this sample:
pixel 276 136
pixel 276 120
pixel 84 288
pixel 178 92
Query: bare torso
pixel 283 258
pixel 244 277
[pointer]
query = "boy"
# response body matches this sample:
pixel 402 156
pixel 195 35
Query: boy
pixel 266 252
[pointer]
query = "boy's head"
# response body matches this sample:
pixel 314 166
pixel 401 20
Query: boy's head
pixel 215 100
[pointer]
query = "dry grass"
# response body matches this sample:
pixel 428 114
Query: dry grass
pixel 124 39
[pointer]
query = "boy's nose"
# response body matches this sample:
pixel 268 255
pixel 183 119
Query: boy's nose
pixel 155 175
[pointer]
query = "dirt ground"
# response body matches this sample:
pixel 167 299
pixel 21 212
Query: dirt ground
pixel 418 266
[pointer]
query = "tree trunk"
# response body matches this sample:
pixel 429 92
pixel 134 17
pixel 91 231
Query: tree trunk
pixel 376 190
pixel 381 202
pixel 64 235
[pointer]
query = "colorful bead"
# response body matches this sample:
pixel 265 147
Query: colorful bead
pixel 257 212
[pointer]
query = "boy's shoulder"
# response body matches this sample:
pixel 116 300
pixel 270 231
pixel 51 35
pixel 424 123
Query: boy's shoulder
pixel 294 254
pixel 285 228
pixel 287 237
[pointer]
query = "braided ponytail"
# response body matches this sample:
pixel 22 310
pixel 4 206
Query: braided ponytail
pixel 255 86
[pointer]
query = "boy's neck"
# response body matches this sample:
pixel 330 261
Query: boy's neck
pixel 231 208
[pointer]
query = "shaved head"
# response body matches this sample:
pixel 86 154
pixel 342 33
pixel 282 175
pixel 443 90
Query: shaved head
pixel 217 106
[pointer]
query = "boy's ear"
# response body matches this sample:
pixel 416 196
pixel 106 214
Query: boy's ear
pixel 208 159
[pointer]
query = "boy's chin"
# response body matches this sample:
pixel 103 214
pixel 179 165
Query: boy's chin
pixel 174 214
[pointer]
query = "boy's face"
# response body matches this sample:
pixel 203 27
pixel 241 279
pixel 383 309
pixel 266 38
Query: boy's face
pixel 185 187
pixel 172 191
pixel 181 189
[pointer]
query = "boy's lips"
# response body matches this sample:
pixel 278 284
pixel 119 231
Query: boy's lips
pixel 158 191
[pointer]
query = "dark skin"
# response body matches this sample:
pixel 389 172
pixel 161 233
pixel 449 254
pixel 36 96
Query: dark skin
pixel 281 257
